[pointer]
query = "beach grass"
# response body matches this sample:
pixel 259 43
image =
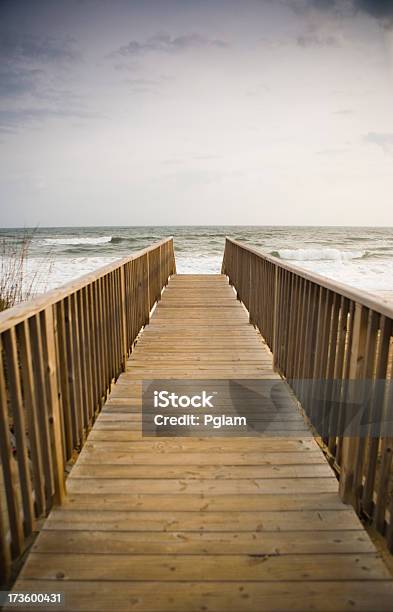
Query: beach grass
pixel 18 281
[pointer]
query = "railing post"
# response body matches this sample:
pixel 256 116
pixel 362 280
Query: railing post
pixel 223 258
pixel 383 493
pixel 123 317
pixel 147 312
pixel 275 318
pixel 389 534
pixel 17 409
pixel 173 260
pixel 54 407
pixel 160 274
pixel 10 484
pixel 5 553
pixel 350 444
pixel 250 309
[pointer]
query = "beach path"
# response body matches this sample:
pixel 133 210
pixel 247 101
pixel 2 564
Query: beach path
pixel 208 524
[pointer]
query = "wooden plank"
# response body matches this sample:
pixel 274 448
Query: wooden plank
pixel 203 486
pixel 99 456
pixel 192 472
pixel 133 441
pixel 204 567
pixel 109 520
pixel 280 428
pixel 326 596
pixel 207 503
pixel 203 543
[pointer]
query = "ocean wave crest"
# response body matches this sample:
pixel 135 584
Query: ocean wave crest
pixel 318 254
pixel 78 240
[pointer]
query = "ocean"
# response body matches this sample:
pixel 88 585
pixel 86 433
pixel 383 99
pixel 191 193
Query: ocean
pixel 359 256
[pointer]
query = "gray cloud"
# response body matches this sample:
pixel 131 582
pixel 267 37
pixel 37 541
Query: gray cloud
pixel 302 6
pixel 6 129
pixel 316 35
pixel 324 4
pixel 377 8
pixel 22 47
pixel 312 39
pixel 380 9
pixel 11 120
pixel 30 66
pixel 15 81
pixel 145 85
pixel 142 85
pixel 28 96
pixel 142 82
pixel 168 44
pixel 381 139
pixel 28 62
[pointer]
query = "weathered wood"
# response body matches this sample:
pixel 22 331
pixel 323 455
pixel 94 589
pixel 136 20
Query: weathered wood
pixel 329 596
pixel 356 369
pixel 319 329
pixel 54 405
pixel 18 413
pixel 201 518
pixel 185 502
pixel 31 408
pixel 380 305
pixel 15 315
pixel 10 493
pixel 42 403
pixel 209 568
pixel 203 542
pixel 5 552
pixel 63 381
pixel 59 355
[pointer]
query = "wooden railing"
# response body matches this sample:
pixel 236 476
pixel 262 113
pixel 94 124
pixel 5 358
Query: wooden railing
pixel 318 329
pixel 59 355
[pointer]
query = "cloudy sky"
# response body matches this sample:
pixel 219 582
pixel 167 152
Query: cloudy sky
pixel 133 112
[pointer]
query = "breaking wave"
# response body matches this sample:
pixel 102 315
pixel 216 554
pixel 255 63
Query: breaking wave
pixel 78 240
pixel 318 254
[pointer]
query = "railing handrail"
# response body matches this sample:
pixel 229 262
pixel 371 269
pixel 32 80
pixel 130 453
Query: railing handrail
pixel 322 330
pixel 59 355
pixel 365 298
pixel 16 314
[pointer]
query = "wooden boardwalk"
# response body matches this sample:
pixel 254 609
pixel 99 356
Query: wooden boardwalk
pixel 211 524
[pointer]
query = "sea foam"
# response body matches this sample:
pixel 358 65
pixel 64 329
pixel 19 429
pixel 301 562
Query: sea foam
pixel 318 254
pixel 78 240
